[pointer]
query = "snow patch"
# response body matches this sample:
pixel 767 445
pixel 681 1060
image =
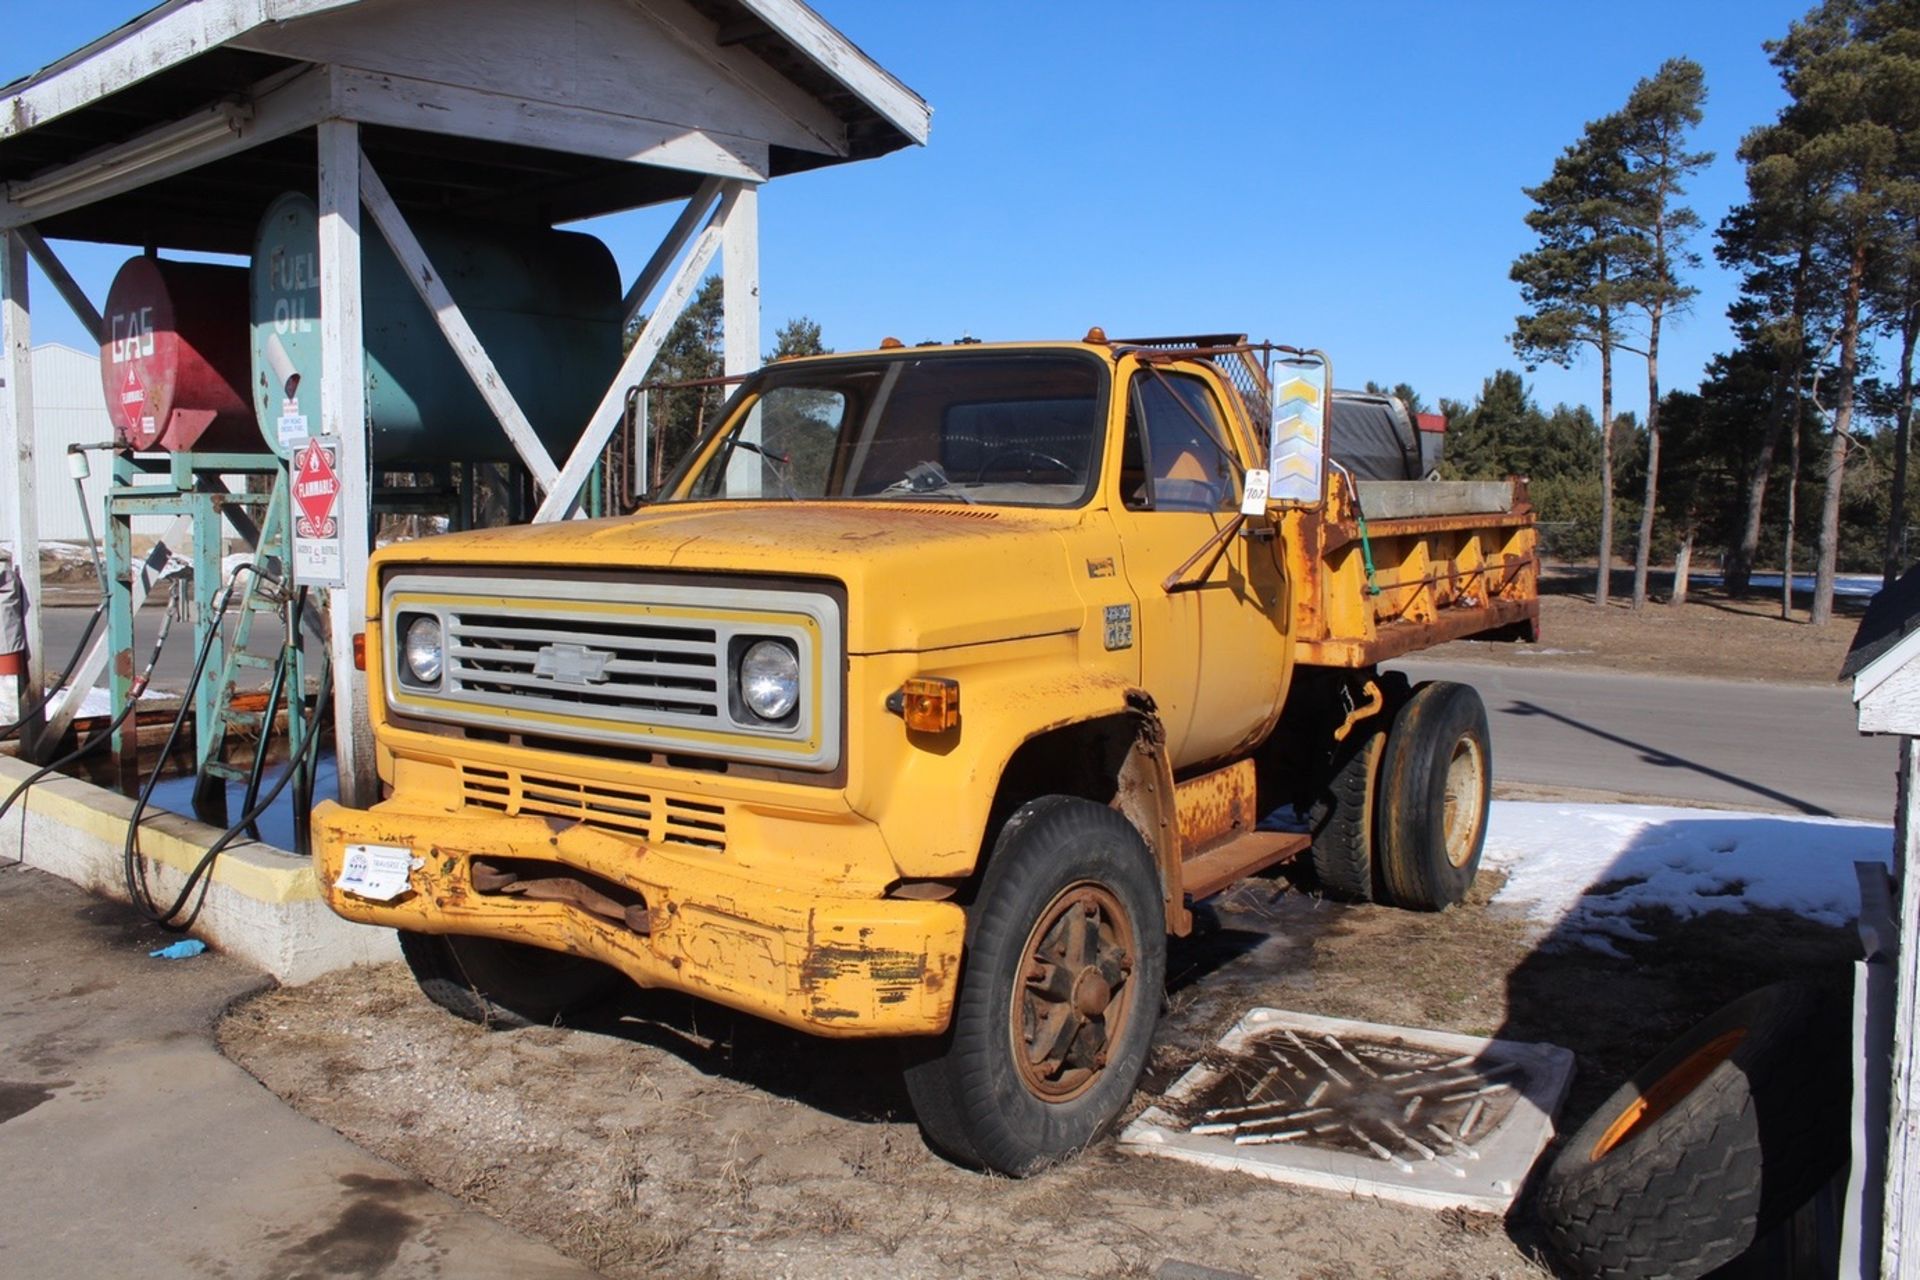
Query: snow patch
pixel 1583 870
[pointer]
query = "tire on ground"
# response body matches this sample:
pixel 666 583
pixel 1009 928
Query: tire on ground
pixel 1436 776
pixel 505 984
pixel 1061 986
pixel 1710 1145
pixel 1342 818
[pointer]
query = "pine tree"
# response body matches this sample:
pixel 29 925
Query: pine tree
pixel 1660 112
pixel 1851 71
pixel 1572 283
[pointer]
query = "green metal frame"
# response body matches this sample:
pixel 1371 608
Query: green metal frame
pixel 192 488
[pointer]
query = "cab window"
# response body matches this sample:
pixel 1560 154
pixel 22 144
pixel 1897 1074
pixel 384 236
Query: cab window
pixel 1175 455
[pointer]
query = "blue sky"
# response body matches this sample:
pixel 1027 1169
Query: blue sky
pixel 1342 176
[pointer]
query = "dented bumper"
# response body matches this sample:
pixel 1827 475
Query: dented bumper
pixel 831 966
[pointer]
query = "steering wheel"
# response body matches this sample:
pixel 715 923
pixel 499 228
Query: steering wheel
pixel 1021 451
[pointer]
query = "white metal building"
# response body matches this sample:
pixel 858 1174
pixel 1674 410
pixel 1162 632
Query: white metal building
pixel 68 409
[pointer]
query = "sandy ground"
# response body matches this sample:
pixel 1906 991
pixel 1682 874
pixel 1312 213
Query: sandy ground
pixel 671 1138
pixel 1711 635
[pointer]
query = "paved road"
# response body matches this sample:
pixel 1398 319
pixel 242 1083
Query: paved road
pixel 1789 748
pixel 1786 748
pixel 130 1147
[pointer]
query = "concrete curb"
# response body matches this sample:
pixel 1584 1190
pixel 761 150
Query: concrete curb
pixel 263 904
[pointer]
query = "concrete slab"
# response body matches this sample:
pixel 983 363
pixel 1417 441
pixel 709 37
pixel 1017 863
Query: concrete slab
pixel 1396 1113
pixel 129 1146
pixel 263 905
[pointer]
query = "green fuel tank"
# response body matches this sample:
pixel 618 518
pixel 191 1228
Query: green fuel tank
pixel 545 304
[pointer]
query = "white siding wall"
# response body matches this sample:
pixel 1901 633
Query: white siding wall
pixel 68 408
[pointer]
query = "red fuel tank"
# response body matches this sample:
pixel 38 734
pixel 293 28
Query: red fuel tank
pixel 176 358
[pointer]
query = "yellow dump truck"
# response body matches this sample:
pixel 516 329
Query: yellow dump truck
pixel 929 695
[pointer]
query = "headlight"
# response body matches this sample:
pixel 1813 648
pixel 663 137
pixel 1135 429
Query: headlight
pixel 770 679
pixel 421 650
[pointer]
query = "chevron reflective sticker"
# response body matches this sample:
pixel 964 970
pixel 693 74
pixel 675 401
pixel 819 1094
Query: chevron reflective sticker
pixel 1296 445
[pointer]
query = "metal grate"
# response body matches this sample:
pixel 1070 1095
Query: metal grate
pixel 1245 366
pixel 506 659
pixel 1391 1101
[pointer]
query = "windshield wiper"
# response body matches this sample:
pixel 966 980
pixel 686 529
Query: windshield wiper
pixel 775 463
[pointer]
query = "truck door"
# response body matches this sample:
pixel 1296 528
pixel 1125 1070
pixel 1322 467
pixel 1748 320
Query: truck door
pixel 1213 656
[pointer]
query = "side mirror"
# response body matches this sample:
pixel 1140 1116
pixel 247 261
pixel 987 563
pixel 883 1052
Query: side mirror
pixel 1297 435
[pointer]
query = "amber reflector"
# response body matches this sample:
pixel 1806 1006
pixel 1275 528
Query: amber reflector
pixel 359 651
pixel 930 704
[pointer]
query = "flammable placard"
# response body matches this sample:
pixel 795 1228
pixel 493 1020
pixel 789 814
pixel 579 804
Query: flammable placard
pixel 318 560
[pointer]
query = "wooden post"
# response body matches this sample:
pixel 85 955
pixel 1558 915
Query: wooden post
pixel 740 305
pixel 19 513
pixel 343 414
pixel 1901 1225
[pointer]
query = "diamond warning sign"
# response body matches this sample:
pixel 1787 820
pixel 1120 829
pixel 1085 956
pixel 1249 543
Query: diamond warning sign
pixel 316 523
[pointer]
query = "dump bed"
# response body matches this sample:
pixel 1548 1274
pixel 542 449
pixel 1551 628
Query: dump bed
pixel 1385 568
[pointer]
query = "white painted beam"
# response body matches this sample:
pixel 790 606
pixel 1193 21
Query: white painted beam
pixel 64 284
pixel 159 39
pixel 375 98
pixel 740 332
pixel 562 500
pixel 466 344
pixel 278 106
pixel 19 512
pixel 343 414
pixel 841 59
pixel 740 282
pixel 684 228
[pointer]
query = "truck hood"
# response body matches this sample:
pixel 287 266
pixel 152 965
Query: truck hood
pixel 918 577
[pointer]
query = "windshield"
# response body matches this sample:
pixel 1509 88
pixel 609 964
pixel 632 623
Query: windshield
pixel 988 428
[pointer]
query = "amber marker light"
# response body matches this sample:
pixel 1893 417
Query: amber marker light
pixel 891 344
pixel 359 651
pixel 929 704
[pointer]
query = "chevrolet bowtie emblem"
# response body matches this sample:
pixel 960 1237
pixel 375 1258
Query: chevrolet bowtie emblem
pixel 572 664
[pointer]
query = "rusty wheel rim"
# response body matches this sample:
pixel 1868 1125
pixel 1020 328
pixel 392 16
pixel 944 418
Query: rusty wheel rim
pixel 1460 814
pixel 1073 993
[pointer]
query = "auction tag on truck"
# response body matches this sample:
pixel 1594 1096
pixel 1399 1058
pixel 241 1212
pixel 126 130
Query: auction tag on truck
pixel 376 871
pixel 1254 501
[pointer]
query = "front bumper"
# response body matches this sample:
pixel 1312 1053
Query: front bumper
pixel 832 966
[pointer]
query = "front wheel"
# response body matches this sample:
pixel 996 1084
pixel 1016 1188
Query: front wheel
pixel 1061 987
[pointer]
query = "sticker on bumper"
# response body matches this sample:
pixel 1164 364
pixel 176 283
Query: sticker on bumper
pixel 376 871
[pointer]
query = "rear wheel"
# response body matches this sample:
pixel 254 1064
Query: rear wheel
pixel 1436 779
pixel 505 984
pixel 1342 819
pixel 1065 967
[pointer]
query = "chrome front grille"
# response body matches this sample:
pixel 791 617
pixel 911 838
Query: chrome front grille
pixel 617 664
pixel 513 660
pixel 619 811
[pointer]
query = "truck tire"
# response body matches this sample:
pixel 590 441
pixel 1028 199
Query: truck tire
pixel 1436 777
pixel 1342 818
pixel 505 984
pixel 1710 1145
pixel 1065 967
